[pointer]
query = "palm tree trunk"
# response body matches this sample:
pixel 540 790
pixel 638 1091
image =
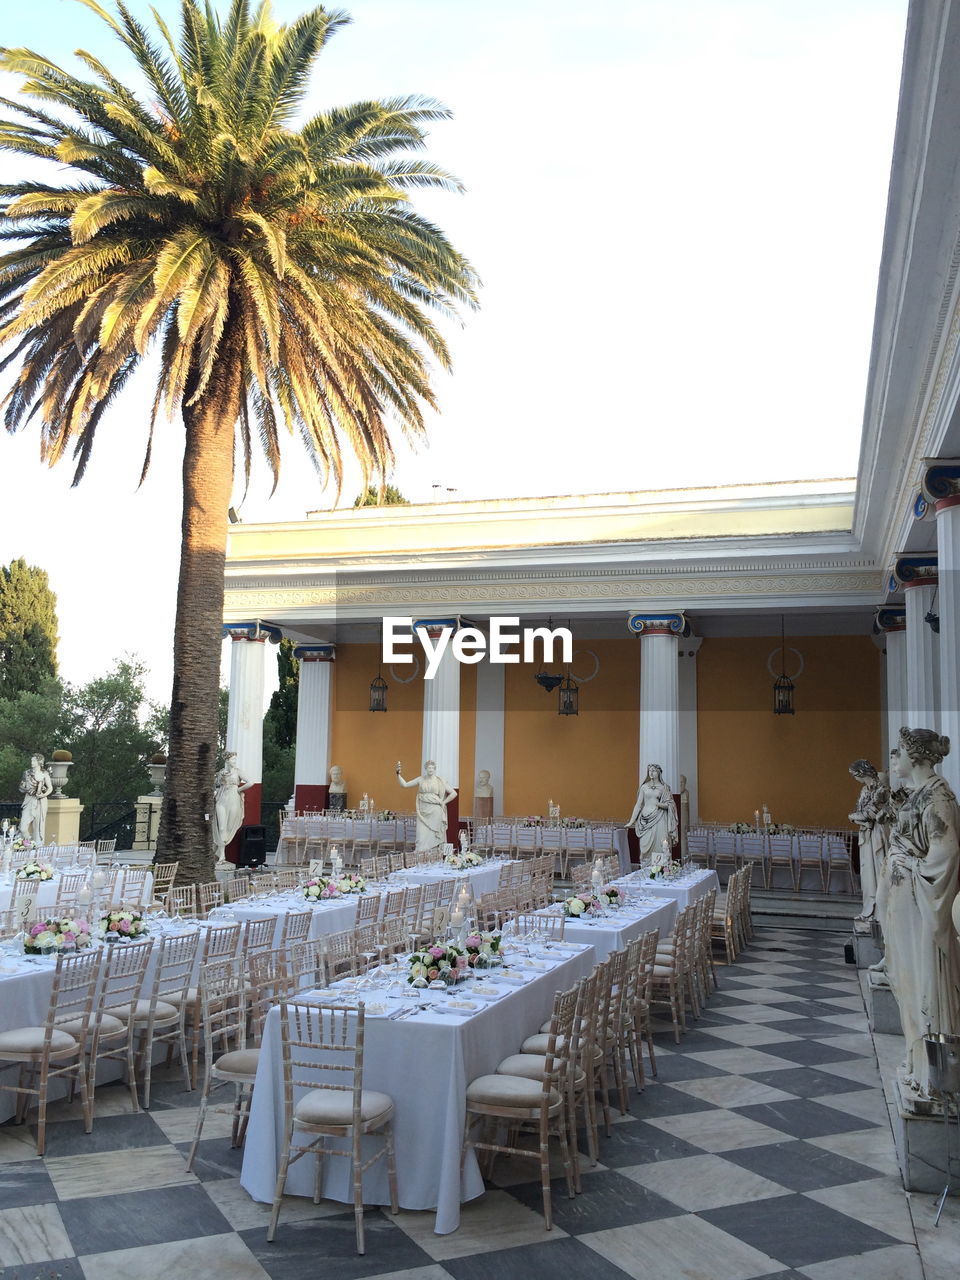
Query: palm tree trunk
pixel 209 425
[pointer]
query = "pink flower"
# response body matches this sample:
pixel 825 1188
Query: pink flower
pixel 123 926
pixel 461 962
pixel 37 929
pixel 474 940
pixel 69 937
pixel 436 952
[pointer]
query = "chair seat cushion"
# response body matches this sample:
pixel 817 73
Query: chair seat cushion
pixel 531 1066
pixel 25 1040
pixel 663 971
pixel 335 1107
pixel 109 1025
pixel 509 1092
pixel 238 1062
pixel 165 1012
pixel 539 1043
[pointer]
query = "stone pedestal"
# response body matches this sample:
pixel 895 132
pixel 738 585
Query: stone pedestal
pixel 921 1139
pixel 63 820
pixel 882 1008
pixel 483 808
pixel 866 948
pixel 147 822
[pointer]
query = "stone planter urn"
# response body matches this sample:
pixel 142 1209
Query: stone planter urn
pixel 59 766
pixel 157 768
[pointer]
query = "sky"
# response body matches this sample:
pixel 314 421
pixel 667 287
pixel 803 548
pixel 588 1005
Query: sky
pixel 676 210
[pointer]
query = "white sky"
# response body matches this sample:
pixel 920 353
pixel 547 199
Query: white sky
pixel 676 208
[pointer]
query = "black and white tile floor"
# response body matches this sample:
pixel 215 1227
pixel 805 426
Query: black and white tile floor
pixel 763 1151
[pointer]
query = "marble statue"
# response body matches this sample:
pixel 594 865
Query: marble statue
pixel 483 797
pixel 227 805
pixel 337 791
pixel 684 814
pixel 433 796
pixel 35 785
pixel 866 817
pixel 923 953
pixel 654 816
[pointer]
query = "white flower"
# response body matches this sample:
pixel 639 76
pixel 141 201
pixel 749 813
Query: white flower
pixel 45 939
pixel 575 906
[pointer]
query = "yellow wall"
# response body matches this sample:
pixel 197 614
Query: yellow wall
pixel 796 765
pixel 468 736
pixel 586 763
pixel 368 744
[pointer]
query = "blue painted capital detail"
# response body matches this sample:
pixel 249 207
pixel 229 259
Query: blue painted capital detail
pixel 438 624
pixel 315 652
pixel 890 618
pixel 255 630
pixel 920 507
pixel 912 571
pixel 941 480
pixel 658 624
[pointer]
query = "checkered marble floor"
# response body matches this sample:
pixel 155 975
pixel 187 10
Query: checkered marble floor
pixel 763 1151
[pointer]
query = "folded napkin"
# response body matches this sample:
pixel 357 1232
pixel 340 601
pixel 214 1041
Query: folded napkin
pixel 528 963
pixel 486 992
pixel 514 979
pixel 460 1004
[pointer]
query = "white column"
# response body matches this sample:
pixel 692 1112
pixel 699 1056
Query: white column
pixel 314 724
pixel 891 624
pixel 948 549
pixel 488 752
pixel 923 659
pixel 659 692
pixel 441 708
pixel 687 700
pixel 248 642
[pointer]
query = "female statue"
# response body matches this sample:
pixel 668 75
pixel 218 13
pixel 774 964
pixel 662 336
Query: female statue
pixel 433 796
pixel 867 817
pixel 35 785
pixel 227 804
pixel 654 816
pixel 923 954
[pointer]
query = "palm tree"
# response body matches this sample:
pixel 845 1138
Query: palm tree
pixel 275 267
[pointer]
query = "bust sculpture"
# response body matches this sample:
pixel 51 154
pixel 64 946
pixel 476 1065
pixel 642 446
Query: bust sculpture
pixel 873 799
pixel 36 786
pixel 433 796
pixel 483 797
pixel 923 952
pixel 227 804
pixel 337 791
pixel 654 816
pixel 684 812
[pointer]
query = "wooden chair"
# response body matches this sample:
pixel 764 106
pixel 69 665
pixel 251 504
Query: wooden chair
pixel 210 896
pixel 227 1060
pixel 181 900
pixel 541 1102
pixel 332 1101
pixel 57 1049
pixel 160 1015
pixel 164 874
pixel 115 1026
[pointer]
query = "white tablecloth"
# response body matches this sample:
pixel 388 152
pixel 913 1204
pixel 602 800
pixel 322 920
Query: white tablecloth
pixel 689 888
pixel 483 879
pixel 448 1052
pixel 47 893
pixel 337 830
pixel 613 931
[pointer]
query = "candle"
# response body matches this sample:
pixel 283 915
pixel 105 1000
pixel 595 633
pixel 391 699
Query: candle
pixel 456 917
pixel 84 896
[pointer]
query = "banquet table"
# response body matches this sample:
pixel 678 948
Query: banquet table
pixel 337 829
pixel 47 893
pixel 448 1050
pixel 686 889
pixel 614 930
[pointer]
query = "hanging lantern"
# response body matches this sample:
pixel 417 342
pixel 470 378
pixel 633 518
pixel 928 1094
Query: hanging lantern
pixel 569 697
pixel 378 693
pixel 783 685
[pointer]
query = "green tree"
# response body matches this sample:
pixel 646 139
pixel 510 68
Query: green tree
pixel 275 267
pixel 28 628
pixel 280 722
pixel 372 497
pixel 39 719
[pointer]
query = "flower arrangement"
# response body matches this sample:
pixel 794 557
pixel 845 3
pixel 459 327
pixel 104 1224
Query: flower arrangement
pixel 35 871
pixel 610 896
pixel 56 935
pixel 573 824
pixel 20 844
pixel 320 890
pixel 664 869
pixel 482 948
pixel 442 961
pixel 781 829
pixel 350 883
pixel 580 904
pixel 460 861
pixel 128 924
pixel 741 828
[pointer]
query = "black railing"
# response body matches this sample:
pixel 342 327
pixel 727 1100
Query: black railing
pixel 106 823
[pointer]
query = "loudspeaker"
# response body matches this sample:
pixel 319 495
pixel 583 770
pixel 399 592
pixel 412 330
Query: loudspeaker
pixel 252 846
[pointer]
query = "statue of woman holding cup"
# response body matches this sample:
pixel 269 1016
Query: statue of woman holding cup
pixel 433 796
pixel 654 816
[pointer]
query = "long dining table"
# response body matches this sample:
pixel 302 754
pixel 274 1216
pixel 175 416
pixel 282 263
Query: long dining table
pixel 424 1062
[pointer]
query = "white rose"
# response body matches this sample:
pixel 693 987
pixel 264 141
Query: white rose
pixel 45 939
pixel 576 907
pixel 344 885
